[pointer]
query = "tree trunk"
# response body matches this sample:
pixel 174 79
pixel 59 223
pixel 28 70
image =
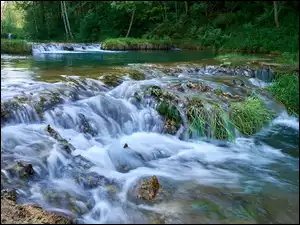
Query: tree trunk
pixel 276 14
pixel 176 10
pixel 3 6
pixel 165 8
pixel 64 19
pixel 186 7
pixel 67 19
pixel 34 18
pixel 131 21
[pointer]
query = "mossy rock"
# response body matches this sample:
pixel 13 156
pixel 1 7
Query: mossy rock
pixel 9 194
pixel 65 144
pixel 169 111
pixel 22 171
pixel 135 75
pixel 171 126
pixel 46 103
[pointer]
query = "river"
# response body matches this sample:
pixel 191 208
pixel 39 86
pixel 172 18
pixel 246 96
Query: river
pixel 249 180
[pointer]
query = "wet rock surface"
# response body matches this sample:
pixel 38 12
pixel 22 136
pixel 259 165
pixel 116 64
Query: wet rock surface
pixel 148 188
pixel 64 143
pixel 11 213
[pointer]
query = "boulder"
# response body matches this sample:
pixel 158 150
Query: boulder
pixel 148 188
pixel 68 48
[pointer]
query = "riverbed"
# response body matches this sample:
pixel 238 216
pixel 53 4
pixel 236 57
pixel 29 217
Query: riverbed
pixel 247 180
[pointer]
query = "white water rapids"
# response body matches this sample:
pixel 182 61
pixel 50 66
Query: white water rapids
pixel 56 48
pixel 96 182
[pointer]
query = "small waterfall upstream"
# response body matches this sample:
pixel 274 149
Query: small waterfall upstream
pixel 203 180
pixel 66 48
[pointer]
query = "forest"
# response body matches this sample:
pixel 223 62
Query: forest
pixel 252 26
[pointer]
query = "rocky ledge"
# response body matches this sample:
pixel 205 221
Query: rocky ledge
pixel 12 213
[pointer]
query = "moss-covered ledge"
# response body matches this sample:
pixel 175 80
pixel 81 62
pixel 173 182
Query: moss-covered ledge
pixel 123 44
pixel 19 47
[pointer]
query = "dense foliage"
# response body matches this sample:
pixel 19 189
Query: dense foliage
pixel 286 90
pixel 241 25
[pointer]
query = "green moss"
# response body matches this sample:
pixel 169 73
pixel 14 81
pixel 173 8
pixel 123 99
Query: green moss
pixel 15 47
pixel 137 75
pixel 169 111
pixel 218 92
pixel 135 44
pixel 286 90
pixel 249 116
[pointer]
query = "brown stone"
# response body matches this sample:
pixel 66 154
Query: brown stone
pixel 11 213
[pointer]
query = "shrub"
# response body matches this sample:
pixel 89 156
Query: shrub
pixel 15 46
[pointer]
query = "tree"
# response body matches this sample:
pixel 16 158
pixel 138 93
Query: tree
pixel 276 14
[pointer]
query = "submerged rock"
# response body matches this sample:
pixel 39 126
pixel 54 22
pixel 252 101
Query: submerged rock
pixel 85 126
pixel 11 213
pixel 9 194
pixel 22 170
pixel 54 134
pixel 171 126
pixel 68 48
pixel 148 189
pixel 198 86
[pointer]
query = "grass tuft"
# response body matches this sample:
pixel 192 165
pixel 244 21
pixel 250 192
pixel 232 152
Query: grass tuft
pixel 249 116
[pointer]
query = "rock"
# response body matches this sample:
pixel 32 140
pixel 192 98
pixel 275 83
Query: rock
pixel 9 194
pixel 85 126
pixel 65 145
pixel 198 86
pixel 68 48
pixel 21 170
pixel 126 145
pixel 170 126
pixel 26 169
pixel 148 189
pixel 11 213
pixel 178 87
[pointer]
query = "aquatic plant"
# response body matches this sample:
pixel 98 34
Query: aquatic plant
pixel 212 123
pixel 249 116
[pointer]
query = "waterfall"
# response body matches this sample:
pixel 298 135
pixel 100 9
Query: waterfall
pixel 38 48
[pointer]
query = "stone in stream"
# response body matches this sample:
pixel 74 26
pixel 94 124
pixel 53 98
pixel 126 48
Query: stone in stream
pixel 9 194
pixel 170 126
pixel 68 48
pixel 22 170
pixel 198 86
pixel 148 189
pixel 65 145
pixel 85 126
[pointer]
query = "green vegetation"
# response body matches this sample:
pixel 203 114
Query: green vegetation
pixel 249 116
pixel 213 122
pixel 247 26
pixel 135 44
pixel 286 90
pixel 15 47
pixel 169 111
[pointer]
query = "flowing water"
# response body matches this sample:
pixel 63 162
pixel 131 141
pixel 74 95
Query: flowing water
pixel 249 180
